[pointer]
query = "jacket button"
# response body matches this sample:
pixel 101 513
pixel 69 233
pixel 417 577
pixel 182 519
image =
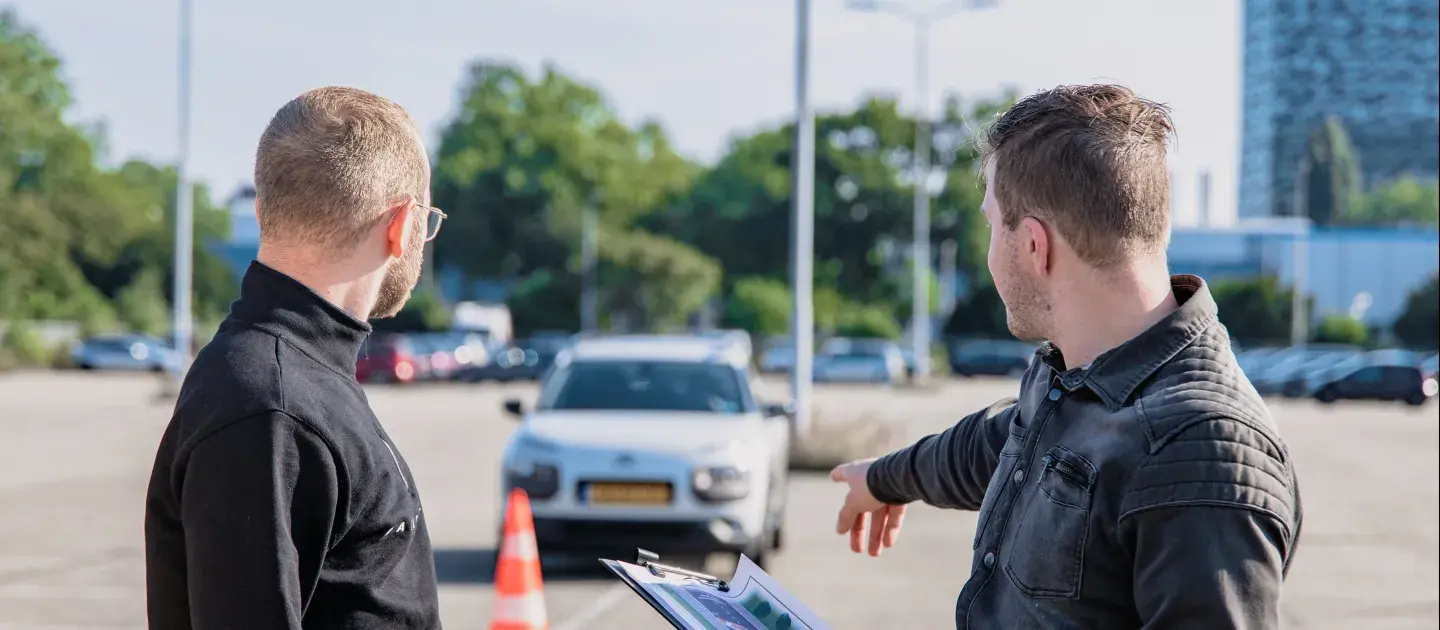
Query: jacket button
pixel 989 559
pixel 1054 394
pixel 1019 476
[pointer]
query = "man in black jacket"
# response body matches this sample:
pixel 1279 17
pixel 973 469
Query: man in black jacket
pixel 276 498
pixel 1138 480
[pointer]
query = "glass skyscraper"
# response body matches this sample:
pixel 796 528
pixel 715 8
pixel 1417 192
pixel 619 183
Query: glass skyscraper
pixel 1374 64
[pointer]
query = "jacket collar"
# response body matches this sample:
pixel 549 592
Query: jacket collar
pixel 281 305
pixel 1115 374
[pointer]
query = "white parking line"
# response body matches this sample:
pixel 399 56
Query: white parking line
pixel 599 606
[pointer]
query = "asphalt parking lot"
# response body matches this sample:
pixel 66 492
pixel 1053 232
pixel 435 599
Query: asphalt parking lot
pixel 76 450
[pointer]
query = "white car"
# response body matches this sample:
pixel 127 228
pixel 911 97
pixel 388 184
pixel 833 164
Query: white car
pixel 653 442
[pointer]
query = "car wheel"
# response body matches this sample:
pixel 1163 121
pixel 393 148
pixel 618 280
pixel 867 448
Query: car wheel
pixel 1325 396
pixel 1415 399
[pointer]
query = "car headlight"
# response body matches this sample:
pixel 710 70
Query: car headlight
pixel 720 483
pixel 529 442
pixel 538 480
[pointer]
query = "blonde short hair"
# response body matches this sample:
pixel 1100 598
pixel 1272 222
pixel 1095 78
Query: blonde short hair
pixel 330 162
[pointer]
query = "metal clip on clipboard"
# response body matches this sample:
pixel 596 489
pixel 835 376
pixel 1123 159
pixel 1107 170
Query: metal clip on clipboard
pixel 647 559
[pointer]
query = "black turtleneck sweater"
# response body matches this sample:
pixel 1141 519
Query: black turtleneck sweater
pixel 276 499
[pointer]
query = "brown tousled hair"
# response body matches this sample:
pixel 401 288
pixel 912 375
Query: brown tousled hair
pixel 1090 161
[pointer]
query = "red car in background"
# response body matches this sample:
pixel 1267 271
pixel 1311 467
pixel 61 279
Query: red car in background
pixel 390 359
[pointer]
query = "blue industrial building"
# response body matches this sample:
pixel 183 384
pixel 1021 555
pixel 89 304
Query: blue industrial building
pixel 1341 263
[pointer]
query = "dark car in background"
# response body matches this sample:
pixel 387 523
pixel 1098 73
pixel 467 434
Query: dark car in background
pixel 1381 382
pixel 990 357
pixel 524 360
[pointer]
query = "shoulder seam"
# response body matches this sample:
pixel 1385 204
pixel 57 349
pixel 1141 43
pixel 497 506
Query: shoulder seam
pixel 1284 526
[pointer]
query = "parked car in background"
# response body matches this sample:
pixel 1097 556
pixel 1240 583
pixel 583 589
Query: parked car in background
pixel 1380 382
pixel 737 338
pixel 525 360
pixel 1254 361
pixel 390 358
pixel 777 356
pixel 851 360
pixel 992 357
pixel 125 352
pixel 1288 373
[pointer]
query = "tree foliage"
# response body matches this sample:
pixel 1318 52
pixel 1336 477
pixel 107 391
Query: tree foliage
pixel 1330 174
pixel 760 306
pixel 981 315
pixel 1403 201
pixel 1419 324
pixel 517 167
pixel 739 212
pixel 1255 310
pixel 1336 328
pixel 76 235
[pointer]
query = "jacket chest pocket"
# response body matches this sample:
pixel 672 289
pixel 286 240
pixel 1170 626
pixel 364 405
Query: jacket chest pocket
pixel 1048 550
pixel 1009 454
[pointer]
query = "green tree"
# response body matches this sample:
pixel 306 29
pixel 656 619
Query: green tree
pixel 1419 324
pixel 1255 310
pixel 75 235
pixel 739 211
pixel 423 312
pixel 760 306
pixel 1330 174
pixel 521 161
pixel 141 304
pixel 870 321
pixel 1403 201
pixel 545 300
pixel 1344 329
pixel 981 315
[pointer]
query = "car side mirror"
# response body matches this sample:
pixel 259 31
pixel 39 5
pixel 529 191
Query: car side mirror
pixel 515 408
pixel 778 410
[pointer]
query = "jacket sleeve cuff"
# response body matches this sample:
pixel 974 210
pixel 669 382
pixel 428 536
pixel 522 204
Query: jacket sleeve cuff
pixel 880 480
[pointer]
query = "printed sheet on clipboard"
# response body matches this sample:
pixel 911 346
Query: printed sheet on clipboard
pixel 751 600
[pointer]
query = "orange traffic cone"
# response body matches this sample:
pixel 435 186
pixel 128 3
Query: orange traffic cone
pixel 519 592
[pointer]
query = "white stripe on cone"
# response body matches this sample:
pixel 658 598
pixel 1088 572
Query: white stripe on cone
pixel 521 546
pixel 521 608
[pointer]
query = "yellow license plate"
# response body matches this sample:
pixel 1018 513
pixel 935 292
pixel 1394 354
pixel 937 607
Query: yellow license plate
pixel 629 493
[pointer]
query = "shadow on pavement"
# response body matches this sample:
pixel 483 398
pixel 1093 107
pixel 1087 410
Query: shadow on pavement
pixel 477 566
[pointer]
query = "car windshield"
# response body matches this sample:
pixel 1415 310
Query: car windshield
pixel 646 386
pixel 856 349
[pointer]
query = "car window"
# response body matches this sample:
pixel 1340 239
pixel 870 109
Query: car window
pixel 646 386
pixel 1368 375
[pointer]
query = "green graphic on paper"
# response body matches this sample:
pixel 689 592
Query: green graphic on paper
pixel 773 617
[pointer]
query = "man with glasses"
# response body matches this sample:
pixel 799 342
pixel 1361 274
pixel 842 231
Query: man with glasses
pixel 276 498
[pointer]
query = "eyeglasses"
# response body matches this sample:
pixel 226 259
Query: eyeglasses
pixel 433 218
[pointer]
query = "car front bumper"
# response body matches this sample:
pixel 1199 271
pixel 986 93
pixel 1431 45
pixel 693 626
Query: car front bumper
pixel 624 536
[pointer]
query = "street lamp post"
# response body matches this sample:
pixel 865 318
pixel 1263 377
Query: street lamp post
pixel 803 223
pixel 589 254
pixel 920 295
pixel 184 220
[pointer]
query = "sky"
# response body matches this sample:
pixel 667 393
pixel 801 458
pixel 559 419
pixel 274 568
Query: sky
pixel 707 70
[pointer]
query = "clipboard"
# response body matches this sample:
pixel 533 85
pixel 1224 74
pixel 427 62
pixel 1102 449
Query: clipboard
pixel 691 600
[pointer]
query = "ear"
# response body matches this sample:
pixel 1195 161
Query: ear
pixel 397 230
pixel 1035 247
